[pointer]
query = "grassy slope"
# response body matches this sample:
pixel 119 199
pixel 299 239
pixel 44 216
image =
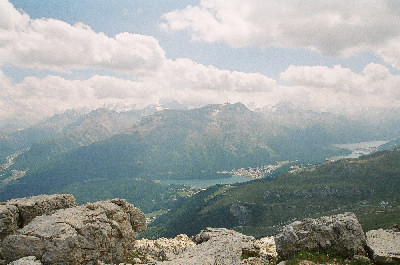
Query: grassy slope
pixel 259 207
pixel 144 194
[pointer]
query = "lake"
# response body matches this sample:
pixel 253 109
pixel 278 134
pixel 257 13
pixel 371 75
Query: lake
pixel 358 149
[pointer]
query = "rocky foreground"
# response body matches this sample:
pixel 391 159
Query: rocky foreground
pixel 53 229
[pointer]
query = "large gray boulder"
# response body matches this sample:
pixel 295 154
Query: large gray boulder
pixel 148 251
pixel 215 246
pixel 8 220
pixel 341 233
pixel 384 246
pixel 103 231
pixel 16 213
pixel 222 246
pixel 30 207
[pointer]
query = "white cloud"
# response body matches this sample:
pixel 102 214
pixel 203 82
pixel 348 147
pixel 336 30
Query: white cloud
pixel 189 82
pixel 183 74
pixel 337 29
pixel 58 46
pixel 5 84
pixel 390 52
pixel 334 28
pixel 338 89
pixel 375 79
pixel 35 98
pixel 323 77
pixel 335 89
pixel 10 18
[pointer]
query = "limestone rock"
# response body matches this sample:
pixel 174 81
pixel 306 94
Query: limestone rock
pixel 341 233
pixel 102 231
pixel 17 213
pixel 31 260
pixel 30 207
pixel 266 249
pixel 265 252
pixel 220 246
pixel 384 246
pixel 215 246
pixel 8 220
pixel 161 249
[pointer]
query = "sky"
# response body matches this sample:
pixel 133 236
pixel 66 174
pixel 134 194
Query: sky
pixel 339 56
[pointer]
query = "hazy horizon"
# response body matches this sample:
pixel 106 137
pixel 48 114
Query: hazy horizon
pixel 341 57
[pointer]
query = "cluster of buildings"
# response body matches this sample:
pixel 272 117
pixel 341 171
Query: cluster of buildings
pixel 257 172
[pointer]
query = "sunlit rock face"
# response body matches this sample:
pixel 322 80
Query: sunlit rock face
pixel 341 233
pixel 104 231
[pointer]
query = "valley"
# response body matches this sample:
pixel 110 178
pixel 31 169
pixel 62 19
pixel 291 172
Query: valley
pixel 236 175
pixel 215 161
pixel 11 175
pixel 9 161
pixel 167 145
pixel 367 186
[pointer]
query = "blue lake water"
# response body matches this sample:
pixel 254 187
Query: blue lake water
pixel 358 149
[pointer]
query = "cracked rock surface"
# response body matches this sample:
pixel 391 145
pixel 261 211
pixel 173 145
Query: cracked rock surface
pixel 384 246
pixel 223 246
pixel 341 233
pixel 103 231
pixel 30 207
pixel 8 220
pixel 17 213
pixel 162 248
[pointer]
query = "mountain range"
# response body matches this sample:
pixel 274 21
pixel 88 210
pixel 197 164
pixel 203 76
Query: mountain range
pixel 102 146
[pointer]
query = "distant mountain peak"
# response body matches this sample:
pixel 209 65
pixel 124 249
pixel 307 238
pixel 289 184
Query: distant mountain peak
pixel 99 112
pixel 221 109
pixel 168 103
pixel 237 106
pixel 284 106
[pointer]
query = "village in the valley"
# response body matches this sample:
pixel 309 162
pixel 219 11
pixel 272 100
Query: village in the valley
pixel 256 172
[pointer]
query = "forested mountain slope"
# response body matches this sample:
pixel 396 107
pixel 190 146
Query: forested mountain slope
pixel 258 207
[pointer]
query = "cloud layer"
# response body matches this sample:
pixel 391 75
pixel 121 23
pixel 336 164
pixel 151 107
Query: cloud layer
pixel 338 89
pixel 334 28
pixel 335 89
pixel 60 47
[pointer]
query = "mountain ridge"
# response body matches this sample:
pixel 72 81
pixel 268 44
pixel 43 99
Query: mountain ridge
pixel 169 144
pixel 343 185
